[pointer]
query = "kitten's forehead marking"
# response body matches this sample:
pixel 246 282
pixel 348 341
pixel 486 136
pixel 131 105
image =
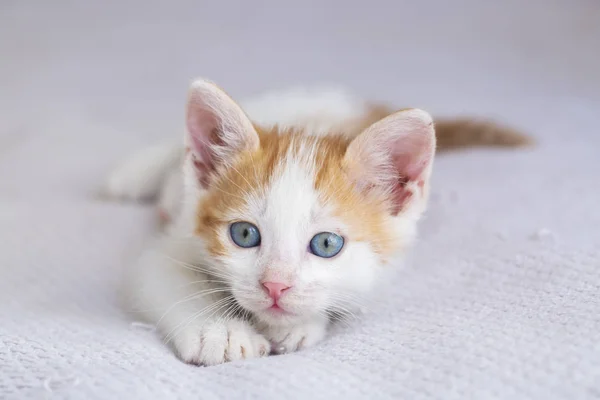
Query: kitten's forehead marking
pixel 291 185
pixel 291 201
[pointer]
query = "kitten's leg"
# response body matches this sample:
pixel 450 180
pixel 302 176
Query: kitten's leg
pixel 192 314
pixel 286 339
pixel 141 176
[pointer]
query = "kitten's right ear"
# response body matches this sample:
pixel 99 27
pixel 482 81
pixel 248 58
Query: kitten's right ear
pixel 217 129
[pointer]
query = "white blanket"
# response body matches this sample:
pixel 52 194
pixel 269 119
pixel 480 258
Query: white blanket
pixel 500 298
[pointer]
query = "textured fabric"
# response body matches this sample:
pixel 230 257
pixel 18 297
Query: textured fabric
pixel 498 300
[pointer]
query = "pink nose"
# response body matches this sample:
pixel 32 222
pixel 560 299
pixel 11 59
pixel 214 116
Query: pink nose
pixel 275 289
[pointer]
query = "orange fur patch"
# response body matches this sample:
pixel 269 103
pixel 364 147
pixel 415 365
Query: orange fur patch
pixel 366 216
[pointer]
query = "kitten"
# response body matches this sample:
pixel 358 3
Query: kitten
pixel 282 213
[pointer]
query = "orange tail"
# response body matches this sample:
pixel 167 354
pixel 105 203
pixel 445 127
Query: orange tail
pixel 466 132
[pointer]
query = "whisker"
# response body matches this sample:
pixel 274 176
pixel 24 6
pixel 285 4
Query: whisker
pixel 230 194
pixel 216 305
pixel 197 268
pixel 228 304
pixel 244 193
pixel 229 313
pixel 240 174
pixel 204 281
pixel 254 167
pixel 177 330
pixel 191 297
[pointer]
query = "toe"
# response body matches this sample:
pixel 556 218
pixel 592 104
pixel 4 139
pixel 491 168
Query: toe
pixel 214 345
pixel 244 342
pixel 239 346
pixel 261 347
pixel 188 346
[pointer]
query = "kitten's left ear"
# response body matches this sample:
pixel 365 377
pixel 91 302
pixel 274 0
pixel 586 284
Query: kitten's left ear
pixel 217 129
pixel 395 157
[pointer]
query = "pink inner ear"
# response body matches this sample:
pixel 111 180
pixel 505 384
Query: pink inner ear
pixel 202 172
pixel 201 125
pixel 412 154
pixel 394 154
pixel 217 129
pixel 410 167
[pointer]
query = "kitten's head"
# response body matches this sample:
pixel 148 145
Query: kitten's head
pixel 297 225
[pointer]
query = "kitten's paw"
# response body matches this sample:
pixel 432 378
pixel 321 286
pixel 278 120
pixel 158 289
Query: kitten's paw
pixel 293 338
pixel 219 342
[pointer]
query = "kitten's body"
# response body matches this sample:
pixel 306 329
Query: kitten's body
pixel 309 162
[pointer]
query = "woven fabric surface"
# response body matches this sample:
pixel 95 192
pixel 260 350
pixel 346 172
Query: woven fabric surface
pixel 500 297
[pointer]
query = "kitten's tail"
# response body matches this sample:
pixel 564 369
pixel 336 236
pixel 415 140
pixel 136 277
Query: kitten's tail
pixel 466 132
pixel 456 133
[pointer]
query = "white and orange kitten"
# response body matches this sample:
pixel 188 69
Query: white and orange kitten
pixel 281 213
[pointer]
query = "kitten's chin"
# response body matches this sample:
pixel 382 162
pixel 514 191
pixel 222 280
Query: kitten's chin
pixel 278 317
pixel 274 314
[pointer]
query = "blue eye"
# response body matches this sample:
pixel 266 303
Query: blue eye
pixel 326 244
pixel 244 234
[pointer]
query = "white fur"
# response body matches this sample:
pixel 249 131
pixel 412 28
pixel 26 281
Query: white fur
pixel 168 286
pixel 142 176
pixel 317 110
pixel 177 284
pixel 287 223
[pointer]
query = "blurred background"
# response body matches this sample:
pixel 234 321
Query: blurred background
pixel 499 298
pixel 123 67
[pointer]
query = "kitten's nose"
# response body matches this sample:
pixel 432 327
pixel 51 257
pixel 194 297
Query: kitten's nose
pixel 275 289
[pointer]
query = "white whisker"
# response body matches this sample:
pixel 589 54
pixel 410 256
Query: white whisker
pixel 178 328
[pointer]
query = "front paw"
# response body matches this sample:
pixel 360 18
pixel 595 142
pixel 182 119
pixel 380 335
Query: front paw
pixel 297 337
pixel 218 342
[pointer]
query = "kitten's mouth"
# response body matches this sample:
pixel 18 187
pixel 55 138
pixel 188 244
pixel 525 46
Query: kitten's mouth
pixel 276 309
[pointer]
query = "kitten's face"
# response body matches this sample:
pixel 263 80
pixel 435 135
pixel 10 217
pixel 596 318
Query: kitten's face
pixel 259 217
pixel 300 222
